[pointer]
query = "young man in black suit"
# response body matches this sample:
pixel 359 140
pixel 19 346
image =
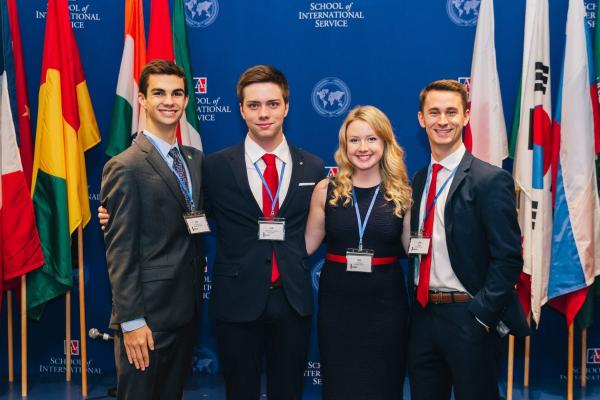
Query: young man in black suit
pixel 155 273
pixel 467 257
pixel 259 192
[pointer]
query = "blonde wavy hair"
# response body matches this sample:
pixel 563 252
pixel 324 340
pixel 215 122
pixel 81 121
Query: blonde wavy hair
pixel 394 177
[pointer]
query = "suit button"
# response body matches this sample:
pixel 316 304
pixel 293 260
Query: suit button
pixel 268 260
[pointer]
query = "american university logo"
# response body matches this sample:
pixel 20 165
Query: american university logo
pixel 201 13
pixel 331 97
pixel 463 12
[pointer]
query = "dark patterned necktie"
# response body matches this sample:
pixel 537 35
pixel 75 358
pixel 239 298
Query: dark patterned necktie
pixel 179 168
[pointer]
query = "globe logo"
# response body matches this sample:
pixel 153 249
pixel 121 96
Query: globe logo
pixel 463 12
pixel 331 97
pixel 201 13
pixel 316 274
pixel 204 360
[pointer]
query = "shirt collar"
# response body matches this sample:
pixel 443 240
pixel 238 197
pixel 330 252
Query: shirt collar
pixel 161 144
pixel 255 152
pixel 452 160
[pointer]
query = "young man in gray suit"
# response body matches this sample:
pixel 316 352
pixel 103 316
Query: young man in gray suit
pixel 153 247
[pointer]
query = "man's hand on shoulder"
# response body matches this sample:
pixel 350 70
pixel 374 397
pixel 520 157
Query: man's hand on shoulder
pixel 137 343
pixel 103 217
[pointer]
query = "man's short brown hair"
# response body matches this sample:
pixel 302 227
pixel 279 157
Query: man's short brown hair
pixel 262 74
pixel 161 67
pixel 444 85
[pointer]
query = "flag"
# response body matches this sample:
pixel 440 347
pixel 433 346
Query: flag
pixel 531 141
pixel 190 126
pixel 585 317
pixel 125 116
pixel 20 249
pixel 66 128
pixel 20 101
pixel 485 135
pixel 160 43
pixel 575 257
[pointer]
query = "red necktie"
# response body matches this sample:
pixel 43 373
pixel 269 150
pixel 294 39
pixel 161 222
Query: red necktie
pixel 425 268
pixel 272 179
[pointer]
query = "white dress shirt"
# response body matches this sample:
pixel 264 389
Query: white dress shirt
pixel 253 154
pixel 442 276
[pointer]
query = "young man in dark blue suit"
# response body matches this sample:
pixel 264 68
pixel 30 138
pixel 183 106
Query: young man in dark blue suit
pixel 464 221
pixel 258 192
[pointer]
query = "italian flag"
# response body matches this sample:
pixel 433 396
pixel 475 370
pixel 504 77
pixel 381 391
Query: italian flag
pixel 66 128
pixel 125 117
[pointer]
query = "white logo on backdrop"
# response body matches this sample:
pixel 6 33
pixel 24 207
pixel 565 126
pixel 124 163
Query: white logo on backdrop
pixel 201 13
pixel 463 12
pixel 331 97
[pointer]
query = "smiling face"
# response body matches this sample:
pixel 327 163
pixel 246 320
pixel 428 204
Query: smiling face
pixel 443 117
pixel 363 147
pixel 164 102
pixel 264 110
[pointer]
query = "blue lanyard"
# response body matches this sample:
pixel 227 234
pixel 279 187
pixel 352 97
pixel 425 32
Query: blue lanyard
pixel 439 192
pixel 266 186
pixel 184 188
pixel 362 226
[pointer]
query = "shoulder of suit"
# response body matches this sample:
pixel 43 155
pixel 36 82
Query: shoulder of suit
pixel 308 157
pixel 194 152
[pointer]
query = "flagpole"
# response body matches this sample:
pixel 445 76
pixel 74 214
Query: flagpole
pixel 82 331
pixel 583 358
pixel 68 334
pixel 570 364
pixel 527 355
pixel 9 323
pixel 511 365
pixel 23 336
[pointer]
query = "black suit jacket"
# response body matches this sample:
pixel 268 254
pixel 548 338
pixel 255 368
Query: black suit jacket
pixel 483 239
pixel 154 264
pixel 242 269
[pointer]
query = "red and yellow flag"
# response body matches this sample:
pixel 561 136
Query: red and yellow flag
pixel 66 128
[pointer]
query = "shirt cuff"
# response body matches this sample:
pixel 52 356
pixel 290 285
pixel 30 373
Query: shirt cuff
pixel 132 325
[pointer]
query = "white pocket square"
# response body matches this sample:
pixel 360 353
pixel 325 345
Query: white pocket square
pixel 306 184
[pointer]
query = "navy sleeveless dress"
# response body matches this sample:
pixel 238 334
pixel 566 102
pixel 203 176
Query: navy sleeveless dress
pixel 362 320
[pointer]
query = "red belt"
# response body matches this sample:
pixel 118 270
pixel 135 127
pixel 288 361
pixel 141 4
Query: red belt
pixel 374 261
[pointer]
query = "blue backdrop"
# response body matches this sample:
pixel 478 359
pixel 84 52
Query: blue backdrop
pixel 379 52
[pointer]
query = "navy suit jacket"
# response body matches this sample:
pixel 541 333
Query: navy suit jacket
pixel 483 239
pixel 242 269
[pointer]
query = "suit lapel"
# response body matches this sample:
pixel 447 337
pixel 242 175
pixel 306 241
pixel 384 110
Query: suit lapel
pixel 237 158
pixel 193 165
pixel 160 166
pixel 461 173
pixel 297 175
pixel 418 187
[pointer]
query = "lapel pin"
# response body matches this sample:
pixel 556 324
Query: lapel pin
pixel 190 157
pixel 301 162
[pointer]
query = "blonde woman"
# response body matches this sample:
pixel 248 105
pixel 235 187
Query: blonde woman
pixel 363 306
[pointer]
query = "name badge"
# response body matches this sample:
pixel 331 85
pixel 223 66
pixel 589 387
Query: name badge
pixel 359 260
pixel 418 245
pixel 196 222
pixel 271 229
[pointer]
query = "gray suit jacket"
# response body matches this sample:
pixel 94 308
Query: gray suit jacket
pixel 154 265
